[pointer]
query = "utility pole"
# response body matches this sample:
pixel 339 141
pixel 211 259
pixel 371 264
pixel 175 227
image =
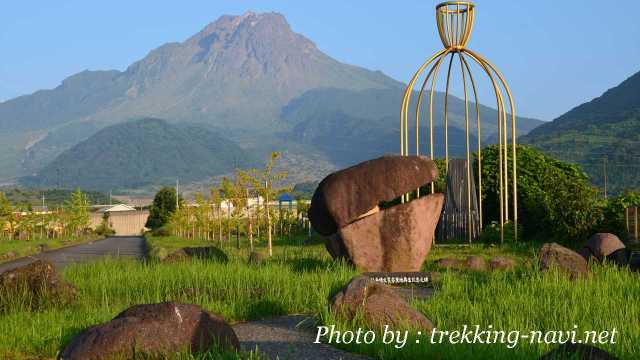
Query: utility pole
pixel 605 177
pixel 177 192
pixel 42 225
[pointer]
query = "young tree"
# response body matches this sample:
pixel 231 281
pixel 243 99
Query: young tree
pixel 216 200
pixel 235 192
pixel 6 215
pixel 265 184
pixel 164 204
pixel 78 212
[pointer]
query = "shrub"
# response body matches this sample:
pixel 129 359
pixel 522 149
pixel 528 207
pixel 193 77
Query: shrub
pixel 613 219
pixel 161 231
pixel 491 234
pixel 555 199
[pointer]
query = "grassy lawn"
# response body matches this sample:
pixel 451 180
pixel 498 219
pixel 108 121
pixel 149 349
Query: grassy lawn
pixel 301 278
pixel 20 248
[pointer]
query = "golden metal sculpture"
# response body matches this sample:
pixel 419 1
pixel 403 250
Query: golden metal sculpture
pixel 455 23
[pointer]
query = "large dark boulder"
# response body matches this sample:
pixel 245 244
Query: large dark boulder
pixel 36 284
pixel 600 246
pixel 566 260
pixel 202 253
pixel 378 304
pixel 344 196
pixel 396 239
pixel 155 329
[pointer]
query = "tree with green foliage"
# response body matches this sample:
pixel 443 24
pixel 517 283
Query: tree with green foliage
pixel 265 184
pixel 236 193
pixel 77 210
pixel 104 228
pixel 613 213
pixel 164 204
pixel 555 199
pixel 215 200
pixel 6 213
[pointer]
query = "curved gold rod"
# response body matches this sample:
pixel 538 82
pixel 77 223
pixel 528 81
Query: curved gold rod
pixel 419 104
pixel 501 109
pixel 468 153
pixel 513 145
pixel 478 131
pixel 407 96
pixel 446 117
pixel 404 124
pixel 433 86
pixel 436 68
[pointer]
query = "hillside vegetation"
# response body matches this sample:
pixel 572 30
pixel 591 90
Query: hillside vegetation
pixel 602 133
pixel 142 152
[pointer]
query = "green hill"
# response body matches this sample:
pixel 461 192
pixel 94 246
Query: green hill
pixel 139 153
pixel 606 127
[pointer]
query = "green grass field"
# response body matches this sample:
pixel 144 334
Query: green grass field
pixel 301 279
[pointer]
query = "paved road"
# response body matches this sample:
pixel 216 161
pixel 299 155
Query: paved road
pixel 132 247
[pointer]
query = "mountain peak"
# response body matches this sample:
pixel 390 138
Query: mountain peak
pixel 231 23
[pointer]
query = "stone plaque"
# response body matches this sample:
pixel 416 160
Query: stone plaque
pixel 401 278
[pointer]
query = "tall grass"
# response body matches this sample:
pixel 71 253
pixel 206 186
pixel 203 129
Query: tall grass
pixel 525 300
pixel 300 279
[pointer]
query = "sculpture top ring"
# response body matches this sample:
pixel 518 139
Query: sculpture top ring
pixel 455 22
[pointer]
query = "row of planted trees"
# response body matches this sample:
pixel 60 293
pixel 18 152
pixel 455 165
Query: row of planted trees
pixel 68 221
pixel 242 206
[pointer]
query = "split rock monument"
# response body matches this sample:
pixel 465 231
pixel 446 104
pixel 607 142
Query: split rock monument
pixel 346 207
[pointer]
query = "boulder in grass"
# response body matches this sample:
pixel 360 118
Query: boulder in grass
pixel 378 304
pixel 36 284
pixel 600 246
pixel 449 263
pixel 568 261
pixel 502 263
pixel 157 330
pixel 475 263
pixel 577 352
pixel 345 195
pixel 257 258
pixel 397 239
pixel 202 253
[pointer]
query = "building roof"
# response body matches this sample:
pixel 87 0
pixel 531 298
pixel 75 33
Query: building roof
pixel 117 208
pixel 285 197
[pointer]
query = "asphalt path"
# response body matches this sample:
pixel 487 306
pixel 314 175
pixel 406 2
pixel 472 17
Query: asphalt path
pixel 117 246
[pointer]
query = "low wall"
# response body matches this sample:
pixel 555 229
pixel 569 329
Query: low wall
pixel 124 223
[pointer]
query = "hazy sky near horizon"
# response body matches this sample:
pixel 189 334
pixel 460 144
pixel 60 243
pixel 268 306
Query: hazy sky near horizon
pixel 554 54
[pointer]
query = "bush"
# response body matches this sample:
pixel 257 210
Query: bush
pixel 158 253
pixel 613 219
pixel 555 199
pixel 102 230
pixel 491 234
pixel 161 231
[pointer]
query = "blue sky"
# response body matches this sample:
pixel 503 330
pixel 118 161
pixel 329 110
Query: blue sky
pixel 555 54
